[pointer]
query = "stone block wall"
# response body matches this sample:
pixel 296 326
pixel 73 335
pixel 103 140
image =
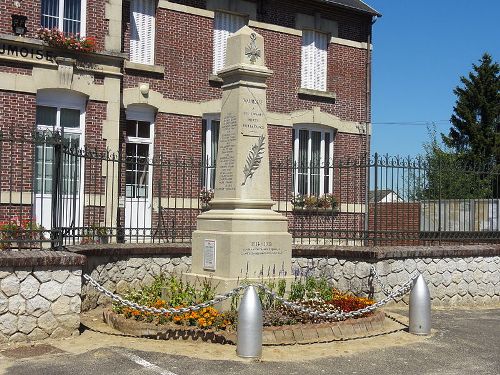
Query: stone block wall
pixel 40 295
pixel 455 275
pixel 126 267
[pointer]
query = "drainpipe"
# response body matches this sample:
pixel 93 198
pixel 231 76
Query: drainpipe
pixel 367 122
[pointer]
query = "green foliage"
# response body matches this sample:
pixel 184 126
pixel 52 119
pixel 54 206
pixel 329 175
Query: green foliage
pixel 448 176
pixel 173 290
pixel 475 134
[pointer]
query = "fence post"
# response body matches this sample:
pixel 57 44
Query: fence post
pixel 439 199
pixel 249 331
pixel 375 226
pixel 56 233
pixel 420 308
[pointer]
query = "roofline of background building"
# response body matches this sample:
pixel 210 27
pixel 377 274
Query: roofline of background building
pixel 371 11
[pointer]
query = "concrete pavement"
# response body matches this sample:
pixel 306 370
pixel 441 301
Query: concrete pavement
pixel 463 342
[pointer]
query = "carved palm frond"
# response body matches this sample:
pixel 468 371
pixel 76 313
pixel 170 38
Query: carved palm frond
pixel 254 159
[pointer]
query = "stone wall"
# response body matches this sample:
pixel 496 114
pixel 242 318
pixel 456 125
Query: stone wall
pixel 125 267
pixel 455 274
pixel 40 295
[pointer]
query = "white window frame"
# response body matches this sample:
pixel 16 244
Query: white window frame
pixel 209 173
pixel 220 47
pixel 83 19
pixel 314 71
pixel 146 115
pixel 142 58
pixel 323 147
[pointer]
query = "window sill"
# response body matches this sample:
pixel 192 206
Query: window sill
pixel 215 80
pixel 325 95
pixel 157 69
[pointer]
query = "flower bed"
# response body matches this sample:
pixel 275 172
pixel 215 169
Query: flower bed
pixel 171 291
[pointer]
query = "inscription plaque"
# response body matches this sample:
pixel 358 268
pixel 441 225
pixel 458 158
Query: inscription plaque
pixel 209 255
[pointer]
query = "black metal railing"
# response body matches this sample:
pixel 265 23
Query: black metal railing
pixel 55 194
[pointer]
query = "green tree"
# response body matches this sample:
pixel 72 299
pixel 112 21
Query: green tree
pixel 475 134
pixel 447 176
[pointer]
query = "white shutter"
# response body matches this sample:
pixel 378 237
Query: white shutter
pixel 142 35
pixel 225 25
pixel 321 53
pixel 308 56
pixel 314 60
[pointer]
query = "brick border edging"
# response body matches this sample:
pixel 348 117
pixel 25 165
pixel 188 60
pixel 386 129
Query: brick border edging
pixel 40 258
pixel 284 335
pixel 311 251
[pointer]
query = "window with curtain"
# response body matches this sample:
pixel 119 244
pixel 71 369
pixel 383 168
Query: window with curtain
pixel 142 31
pixel 209 151
pixel 225 25
pixel 314 60
pixel 65 15
pixel 313 150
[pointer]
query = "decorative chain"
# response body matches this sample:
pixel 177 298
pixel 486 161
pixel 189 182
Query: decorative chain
pixel 405 288
pixel 384 288
pixel 171 310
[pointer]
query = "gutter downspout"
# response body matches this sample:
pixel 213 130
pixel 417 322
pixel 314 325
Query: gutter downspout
pixel 368 130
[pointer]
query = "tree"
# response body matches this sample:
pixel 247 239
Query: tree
pixel 475 134
pixel 448 176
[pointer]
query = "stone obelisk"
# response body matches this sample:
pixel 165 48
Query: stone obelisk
pixel 241 236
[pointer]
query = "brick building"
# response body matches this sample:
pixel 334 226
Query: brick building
pixel 151 92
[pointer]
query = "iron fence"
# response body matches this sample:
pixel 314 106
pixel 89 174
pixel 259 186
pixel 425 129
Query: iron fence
pixel 54 193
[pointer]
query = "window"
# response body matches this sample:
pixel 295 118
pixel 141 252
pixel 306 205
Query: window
pixel 225 25
pixel 313 151
pixel 209 151
pixel 137 151
pixel 142 31
pixel 65 121
pixel 314 60
pixel 65 15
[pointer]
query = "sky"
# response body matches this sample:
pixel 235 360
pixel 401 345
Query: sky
pixel 420 50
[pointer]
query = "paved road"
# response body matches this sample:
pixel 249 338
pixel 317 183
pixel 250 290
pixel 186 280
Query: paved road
pixel 465 342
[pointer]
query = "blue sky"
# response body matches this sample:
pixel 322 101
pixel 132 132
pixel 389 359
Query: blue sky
pixel 421 48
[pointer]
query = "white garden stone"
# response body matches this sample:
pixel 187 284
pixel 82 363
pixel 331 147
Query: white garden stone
pixel 43 275
pixel 5 271
pixel 69 321
pixel 8 324
pixel 61 306
pixel 37 334
pixel 18 337
pixel 17 305
pixel 10 285
pixel 29 287
pixel 75 304
pixel 26 324
pixel 48 322
pixel 60 275
pixel 72 286
pixel 59 333
pixel 21 275
pixel 50 290
pixel 37 306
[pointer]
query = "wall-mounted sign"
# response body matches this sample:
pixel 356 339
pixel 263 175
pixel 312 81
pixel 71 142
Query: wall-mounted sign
pixel 26 52
pixel 209 255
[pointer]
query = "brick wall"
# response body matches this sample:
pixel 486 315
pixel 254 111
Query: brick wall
pixel 399 223
pixel 97 25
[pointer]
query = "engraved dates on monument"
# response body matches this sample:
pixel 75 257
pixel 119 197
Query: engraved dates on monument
pixel 261 248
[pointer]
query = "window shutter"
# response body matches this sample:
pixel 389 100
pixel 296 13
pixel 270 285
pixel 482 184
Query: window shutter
pixel 321 53
pixel 142 35
pixel 314 60
pixel 225 25
pixel 308 59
